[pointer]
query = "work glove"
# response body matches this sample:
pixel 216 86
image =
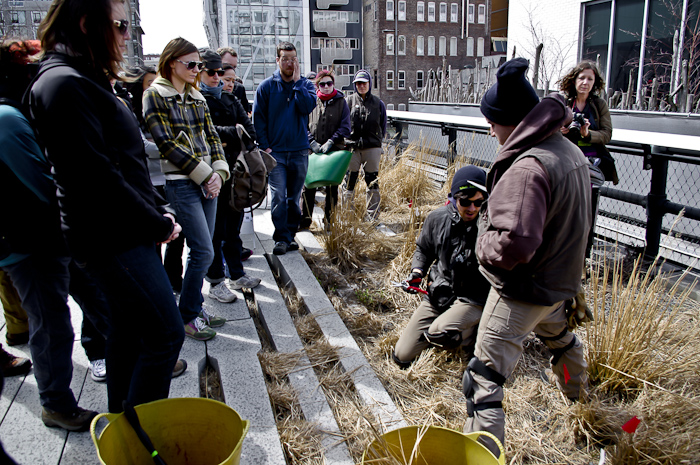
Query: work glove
pixel 577 311
pixel 315 146
pixel 325 148
pixel 413 280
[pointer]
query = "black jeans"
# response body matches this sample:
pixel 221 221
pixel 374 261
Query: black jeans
pixel 146 328
pixel 93 303
pixel 227 239
pixel 42 283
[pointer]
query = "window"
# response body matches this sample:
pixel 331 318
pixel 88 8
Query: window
pixel 470 46
pixel 402 10
pixel 419 79
pixel 431 46
pixel 401 45
pixel 453 46
pixel 480 47
pixel 482 14
pixel 419 46
pixel 376 80
pixel 36 16
pixel 443 46
pixel 390 80
pixel 454 13
pixel 390 44
pixel 431 11
pixel 390 10
pixel 470 13
pixel 443 12
pixel 420 11
pixel 376 12
pixel 402 79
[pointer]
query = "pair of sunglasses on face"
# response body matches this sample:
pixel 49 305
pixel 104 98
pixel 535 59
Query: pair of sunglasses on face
pixel 466 203
pixel 190 65
pixel 122 25
pixel 325 84
pixel 212 72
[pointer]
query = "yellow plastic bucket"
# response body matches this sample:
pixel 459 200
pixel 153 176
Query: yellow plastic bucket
pixel 184 431
pixel 436 446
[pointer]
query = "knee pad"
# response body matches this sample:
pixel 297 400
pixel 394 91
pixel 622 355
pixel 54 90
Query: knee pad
pixel 371 180
pixel 479 367
pixel 444 339
pixel 352 180
pixel 403 365
pixel 557 353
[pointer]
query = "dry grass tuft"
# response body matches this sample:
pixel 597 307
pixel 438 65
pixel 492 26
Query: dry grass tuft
pixel 641 334
pixel 301 441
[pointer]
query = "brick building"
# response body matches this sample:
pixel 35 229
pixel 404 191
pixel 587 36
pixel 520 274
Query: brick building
pixel 405 40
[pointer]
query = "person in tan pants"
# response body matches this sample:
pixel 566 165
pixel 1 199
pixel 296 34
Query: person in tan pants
pixel 532 239
pixel 450 313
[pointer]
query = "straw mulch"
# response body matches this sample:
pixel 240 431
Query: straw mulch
pixel 643 349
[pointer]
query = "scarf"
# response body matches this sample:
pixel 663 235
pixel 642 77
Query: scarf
pixel 326 97
pixel 212 91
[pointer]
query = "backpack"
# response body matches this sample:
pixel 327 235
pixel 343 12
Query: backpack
pixel 249 174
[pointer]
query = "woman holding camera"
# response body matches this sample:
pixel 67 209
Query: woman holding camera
pixel 592 126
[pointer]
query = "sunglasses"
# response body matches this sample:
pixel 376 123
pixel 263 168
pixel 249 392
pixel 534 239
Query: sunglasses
pixel 325 84
pixel 465 202
pixel 190 65
pixel 212 72
pixel 122 25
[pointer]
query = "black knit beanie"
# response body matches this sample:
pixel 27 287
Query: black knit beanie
pixel 467 177
pixel 512 97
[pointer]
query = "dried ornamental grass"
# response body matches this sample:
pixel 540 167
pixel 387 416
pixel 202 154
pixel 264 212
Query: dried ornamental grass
pixel 642 337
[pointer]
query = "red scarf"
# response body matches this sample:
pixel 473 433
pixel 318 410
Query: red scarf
pixel 326 97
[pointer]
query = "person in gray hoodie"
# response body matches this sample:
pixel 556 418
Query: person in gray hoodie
pixel 531 243
pixel 368 128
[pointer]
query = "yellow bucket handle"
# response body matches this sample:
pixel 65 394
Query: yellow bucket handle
pixel 93 426
pixel 477 434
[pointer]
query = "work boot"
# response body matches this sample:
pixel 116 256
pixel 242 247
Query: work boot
pixel 373 199
pixel 12 365
pixel 77 420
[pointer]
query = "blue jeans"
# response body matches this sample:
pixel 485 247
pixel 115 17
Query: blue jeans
pixel 197 216
pixel 286 181
pixel 42 283
pixel 146 330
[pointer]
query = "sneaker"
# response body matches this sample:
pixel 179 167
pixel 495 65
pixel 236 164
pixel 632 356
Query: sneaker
pixel 98 370
pixel 246 254
pixel 293 246
pixel 199 330
pixel 77 420
pixel 17 339
pixel 280 248
pixel 222 293
pixel 180 367
pixel 212 321
pixel 12 365
pixel 245 281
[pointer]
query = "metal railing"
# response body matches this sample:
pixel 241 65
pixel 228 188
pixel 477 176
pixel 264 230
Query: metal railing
pixel 659 177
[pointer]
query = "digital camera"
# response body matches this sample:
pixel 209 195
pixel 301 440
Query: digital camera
pixel 578 121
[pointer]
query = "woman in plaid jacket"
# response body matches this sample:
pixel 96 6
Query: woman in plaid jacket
pixel 195 169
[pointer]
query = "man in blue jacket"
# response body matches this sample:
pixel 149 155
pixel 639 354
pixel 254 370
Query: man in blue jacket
pixel 281 117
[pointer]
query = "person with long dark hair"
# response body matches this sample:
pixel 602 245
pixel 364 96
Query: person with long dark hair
pixel 195 168
pixel 109 215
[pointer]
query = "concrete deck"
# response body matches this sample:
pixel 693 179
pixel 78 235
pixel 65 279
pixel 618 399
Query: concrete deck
pixel 236 347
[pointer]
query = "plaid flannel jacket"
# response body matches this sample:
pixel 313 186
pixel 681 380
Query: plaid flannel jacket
pixel 189 145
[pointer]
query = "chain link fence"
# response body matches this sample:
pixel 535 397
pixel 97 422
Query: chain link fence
pixel 624 210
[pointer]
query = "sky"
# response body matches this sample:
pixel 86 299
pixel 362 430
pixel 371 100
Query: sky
pixel 162 21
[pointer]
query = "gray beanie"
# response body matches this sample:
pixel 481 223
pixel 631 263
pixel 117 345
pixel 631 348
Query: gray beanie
pixel 512 97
